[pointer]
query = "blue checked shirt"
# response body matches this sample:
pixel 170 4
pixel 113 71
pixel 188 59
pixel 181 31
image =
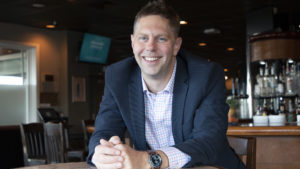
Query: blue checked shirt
pixel 158 123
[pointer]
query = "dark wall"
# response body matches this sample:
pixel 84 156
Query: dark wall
pixel 11 153
pixel 94 84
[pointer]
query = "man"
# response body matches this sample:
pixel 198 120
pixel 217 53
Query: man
pixel 171 103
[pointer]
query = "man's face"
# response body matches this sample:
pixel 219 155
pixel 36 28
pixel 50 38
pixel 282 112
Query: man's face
pixel 155 46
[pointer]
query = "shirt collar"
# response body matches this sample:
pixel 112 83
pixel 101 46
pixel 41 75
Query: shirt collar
pixel 170 86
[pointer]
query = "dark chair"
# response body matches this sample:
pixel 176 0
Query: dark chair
pixel 86 134
pixel 245 147
pixel 56 144
pixel 34 152
pixel 50 115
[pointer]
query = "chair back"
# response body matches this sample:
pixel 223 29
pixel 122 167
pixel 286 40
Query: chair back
pixel 55 143
pixel 86 135
pixel 32 136
pixel 245 147
pixel 49 115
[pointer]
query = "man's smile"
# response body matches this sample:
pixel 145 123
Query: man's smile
pixel 151 58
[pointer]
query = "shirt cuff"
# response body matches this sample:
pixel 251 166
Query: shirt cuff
pixel 177 159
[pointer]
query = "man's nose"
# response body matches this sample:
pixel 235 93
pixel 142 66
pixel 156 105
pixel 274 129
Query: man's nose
pixel 151 44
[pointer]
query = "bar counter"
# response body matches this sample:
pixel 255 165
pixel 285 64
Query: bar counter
pixel 277 147
pixel 290 129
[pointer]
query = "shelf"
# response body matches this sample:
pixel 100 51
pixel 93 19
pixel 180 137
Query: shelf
pixel 270 97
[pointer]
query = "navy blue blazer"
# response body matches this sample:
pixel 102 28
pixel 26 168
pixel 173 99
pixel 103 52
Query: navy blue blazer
pixel 199 110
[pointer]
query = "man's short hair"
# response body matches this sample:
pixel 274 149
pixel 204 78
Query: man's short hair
pixel 160 8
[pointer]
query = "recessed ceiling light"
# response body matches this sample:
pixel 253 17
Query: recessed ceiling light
pixel 299 25
pixel 202 44
pixel 230 49
pixel 50 26
pixel 183 22
pixel 38 5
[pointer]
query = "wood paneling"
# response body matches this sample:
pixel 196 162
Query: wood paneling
pixel 277 147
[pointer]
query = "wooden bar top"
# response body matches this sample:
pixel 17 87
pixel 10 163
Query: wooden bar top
pixel 249 130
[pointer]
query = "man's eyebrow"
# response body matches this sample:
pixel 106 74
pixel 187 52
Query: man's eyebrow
pixel 158 35
pixel 139 34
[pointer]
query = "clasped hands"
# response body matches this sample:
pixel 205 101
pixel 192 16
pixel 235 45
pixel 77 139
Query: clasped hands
pixel 113 154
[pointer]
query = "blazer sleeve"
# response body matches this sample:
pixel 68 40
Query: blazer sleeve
pixel 208 137
pixel 109 121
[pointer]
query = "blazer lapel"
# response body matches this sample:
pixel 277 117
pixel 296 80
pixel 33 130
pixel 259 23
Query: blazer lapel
pixel 137 109
pixel 179 96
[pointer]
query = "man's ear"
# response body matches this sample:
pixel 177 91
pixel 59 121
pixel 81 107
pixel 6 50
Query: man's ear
pixel 131 37
pixel 177 45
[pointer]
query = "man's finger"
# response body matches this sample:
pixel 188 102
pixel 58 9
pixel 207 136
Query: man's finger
pixel 115 140
pixel 108 159
pixel 102 149
pixel 110 166
pixel 106 143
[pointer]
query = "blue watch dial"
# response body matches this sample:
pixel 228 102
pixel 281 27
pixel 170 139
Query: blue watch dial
pixel 155 160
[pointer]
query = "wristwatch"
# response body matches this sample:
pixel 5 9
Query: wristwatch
pixel 155 160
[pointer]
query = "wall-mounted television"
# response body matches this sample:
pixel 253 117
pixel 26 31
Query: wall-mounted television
pixel 94 48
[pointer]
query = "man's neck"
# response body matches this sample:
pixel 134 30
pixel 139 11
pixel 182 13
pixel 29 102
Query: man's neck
pixel 157 84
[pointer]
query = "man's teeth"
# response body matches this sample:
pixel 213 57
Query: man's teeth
pixel 151 58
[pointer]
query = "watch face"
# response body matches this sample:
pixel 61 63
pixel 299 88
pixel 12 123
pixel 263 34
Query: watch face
pixel 155 160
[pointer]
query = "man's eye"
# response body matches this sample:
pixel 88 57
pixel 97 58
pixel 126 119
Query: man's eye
pixel 143 38
pixel 162 39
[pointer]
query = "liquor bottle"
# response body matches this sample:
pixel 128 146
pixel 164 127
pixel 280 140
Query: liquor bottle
pixel 258 87
pixel 282 110
pixel 258 111
pixel 297 106
pixel 233 87
pixel 265 109
pixel 271 108
pixel 289 79
pixel 243 89
pixel 298 79
pixel 237 87
pixel 273 81
pixel 294 77
pixel 291 112
pixel 280 85
pixel 266 81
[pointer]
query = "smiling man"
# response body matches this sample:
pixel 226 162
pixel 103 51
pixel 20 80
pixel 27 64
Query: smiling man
pixel 155 48
pixel 171 102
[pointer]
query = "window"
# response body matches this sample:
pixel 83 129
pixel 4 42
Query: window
pixel 18 83
pixel 12 67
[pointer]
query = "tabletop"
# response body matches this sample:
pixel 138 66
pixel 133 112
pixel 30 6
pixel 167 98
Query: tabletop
pixel 74 165
pixel 80 165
